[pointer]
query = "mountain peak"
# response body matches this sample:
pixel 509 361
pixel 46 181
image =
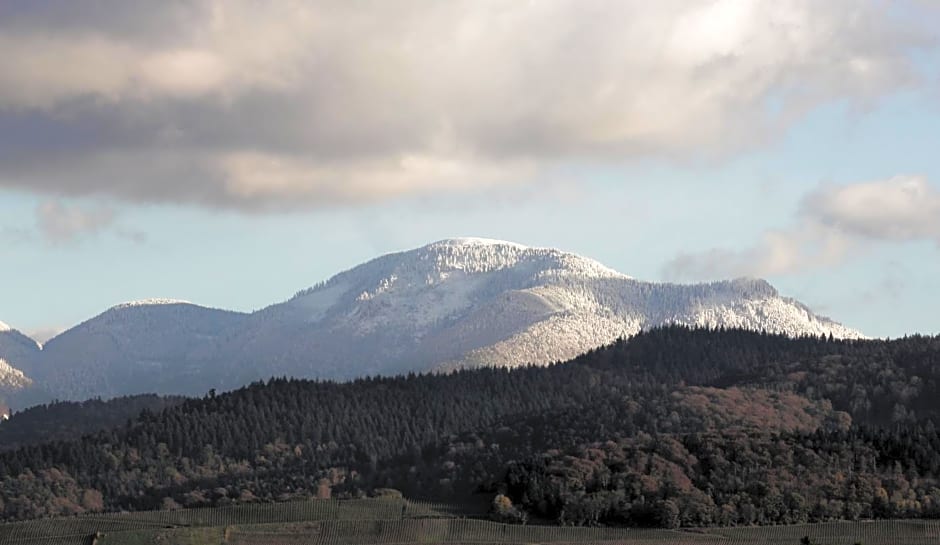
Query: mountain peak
pixel 149 303
pixel 750 286
pixel 476 241
pixel 473 255
pixel 4 328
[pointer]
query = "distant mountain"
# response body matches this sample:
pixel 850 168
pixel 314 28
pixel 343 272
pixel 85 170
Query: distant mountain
pixel 472 302
pixel 17 352
pixel 157 345
pixel 454 303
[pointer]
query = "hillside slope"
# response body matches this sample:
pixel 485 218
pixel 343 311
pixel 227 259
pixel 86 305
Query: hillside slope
pixel 161 346
pixel 724 423
pixel 17 354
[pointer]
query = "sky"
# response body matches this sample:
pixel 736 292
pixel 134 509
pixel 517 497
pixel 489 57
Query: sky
pixel 231 153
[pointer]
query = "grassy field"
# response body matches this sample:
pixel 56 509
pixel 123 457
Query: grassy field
pixel 399 522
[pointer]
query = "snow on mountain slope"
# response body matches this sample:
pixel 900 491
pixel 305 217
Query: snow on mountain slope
pixel 12 378
pixel 398 312
pixel 454 303
pixel 157 345
pixel 17 353
pixel 15 347
pixel 623 309
pixel 469 302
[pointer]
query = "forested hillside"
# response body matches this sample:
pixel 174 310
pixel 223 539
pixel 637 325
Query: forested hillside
pixel 66 420
pixel 676 426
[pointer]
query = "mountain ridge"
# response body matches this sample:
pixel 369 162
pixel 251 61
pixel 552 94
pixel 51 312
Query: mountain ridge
pixel 17 350
pixel 454 303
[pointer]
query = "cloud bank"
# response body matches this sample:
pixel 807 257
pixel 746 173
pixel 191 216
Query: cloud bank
pixel 834 223
pixel 286 104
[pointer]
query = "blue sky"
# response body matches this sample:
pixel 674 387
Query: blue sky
pixel 686 142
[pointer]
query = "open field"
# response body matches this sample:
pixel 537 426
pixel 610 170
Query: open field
pixel 399 522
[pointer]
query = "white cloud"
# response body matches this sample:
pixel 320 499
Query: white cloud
pixel 900 208
pixel 778 252
pixel 835 223
pixel 404 91
pixel 265 178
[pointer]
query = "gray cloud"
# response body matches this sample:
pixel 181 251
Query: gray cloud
pixel 834 223
pixel 59 223
pixel 260 105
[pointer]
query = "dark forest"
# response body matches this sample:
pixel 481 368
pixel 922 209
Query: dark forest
pixel 674 427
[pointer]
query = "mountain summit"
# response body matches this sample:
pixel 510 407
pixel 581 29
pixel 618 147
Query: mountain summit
pixel 455 303
pixel 470 302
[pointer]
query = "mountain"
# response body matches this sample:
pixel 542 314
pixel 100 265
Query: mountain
pixel 18 355
pixel 155 345
pixel 470 302
pixel 455 303
pixel 17 352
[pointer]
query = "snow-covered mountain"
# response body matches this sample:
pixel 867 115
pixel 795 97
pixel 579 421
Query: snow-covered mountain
pixel 454 303
pixel 17 352
pixel 470 302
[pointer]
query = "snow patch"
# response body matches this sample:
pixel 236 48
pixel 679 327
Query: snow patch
pixel 476 241
pixel 11 377
pixel 479 255
pixel 149 302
